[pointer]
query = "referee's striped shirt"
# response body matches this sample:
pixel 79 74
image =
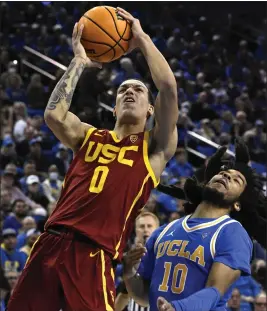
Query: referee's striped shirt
pixel 133 306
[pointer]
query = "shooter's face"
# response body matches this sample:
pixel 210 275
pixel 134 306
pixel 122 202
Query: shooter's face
pixel 230 183
pixel 132 103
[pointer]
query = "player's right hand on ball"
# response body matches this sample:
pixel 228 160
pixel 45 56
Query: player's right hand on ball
pixel 78 48
pixel 131 260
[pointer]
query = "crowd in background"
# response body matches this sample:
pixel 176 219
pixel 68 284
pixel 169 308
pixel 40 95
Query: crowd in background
pixel 221 77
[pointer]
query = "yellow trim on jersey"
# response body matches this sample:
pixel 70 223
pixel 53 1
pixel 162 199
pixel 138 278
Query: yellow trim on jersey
pixel 114 136
pixel 32 249
pixel 88 134
pixel 112 274
pixel 104 282
pixel 215 235
pixel 202 226
pixel 163 232
pixel 146 159
pixel 129 213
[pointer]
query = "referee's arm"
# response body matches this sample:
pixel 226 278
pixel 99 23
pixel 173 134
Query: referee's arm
pixel 122 298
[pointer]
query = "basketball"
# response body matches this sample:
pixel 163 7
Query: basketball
pixel 106 35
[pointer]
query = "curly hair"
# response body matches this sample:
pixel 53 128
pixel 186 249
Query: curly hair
pixel 253 213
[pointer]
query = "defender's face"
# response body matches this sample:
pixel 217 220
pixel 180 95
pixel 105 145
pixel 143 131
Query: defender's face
pixel 231 183
pixel 132 102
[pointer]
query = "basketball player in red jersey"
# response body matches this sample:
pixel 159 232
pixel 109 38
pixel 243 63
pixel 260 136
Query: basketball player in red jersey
pixel 105 188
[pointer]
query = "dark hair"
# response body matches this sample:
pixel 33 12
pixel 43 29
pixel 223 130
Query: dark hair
pixel 16 201
pixel 151 98
pixel 30 161
pixel 253 213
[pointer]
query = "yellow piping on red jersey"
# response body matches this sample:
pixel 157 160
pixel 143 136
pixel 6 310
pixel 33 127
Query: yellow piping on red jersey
pixel 146 160
pixel 129 213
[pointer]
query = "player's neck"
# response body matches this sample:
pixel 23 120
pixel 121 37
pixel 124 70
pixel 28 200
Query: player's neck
pixel 123 130
pixel 207 210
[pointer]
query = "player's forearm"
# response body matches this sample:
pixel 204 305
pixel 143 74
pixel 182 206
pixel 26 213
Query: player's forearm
pixel 203 300
pixel 161 72
pixel 138 290
pixel 61 97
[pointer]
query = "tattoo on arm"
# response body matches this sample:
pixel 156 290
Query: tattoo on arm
pixel 66 86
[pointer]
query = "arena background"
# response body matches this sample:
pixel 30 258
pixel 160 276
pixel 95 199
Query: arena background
pixel 217 51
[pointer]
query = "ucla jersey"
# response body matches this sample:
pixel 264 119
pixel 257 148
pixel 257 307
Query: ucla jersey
pixel 180 255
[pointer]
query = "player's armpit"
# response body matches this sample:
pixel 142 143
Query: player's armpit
pixel 222 277
pixel 71 132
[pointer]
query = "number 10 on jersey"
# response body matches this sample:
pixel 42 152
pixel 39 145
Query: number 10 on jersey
pixel 178 278
pixel 99 178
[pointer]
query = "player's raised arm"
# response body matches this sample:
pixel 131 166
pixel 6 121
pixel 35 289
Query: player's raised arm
pixel 65 125
pixel 166 108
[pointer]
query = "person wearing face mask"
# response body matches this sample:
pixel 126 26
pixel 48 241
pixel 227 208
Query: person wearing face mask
pixel 52 185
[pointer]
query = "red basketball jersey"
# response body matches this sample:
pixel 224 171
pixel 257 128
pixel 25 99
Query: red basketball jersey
pixel 108 183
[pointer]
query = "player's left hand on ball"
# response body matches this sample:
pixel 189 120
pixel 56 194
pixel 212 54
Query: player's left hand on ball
pixel 164 305
pixel 137 30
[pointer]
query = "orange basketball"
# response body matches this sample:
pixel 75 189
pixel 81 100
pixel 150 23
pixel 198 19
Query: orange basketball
pixel 105 35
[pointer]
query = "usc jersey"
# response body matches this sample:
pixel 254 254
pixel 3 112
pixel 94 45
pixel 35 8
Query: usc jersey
pixel 108 183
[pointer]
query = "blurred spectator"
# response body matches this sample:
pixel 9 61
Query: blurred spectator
pixel 14 91
pixel 4 289
pixel 249 289
pixel 15 219
pixel 27 224
pixel 228 119
pixel 206 130
pixel 37 123
pixel 36 96
pixel 36 154
pixel 175 42
pixel 34 191
pixel 258 271
pixel 126 71
pixel 20 116
pixel 31 236
pixel 29 168
pixel 6 116
pixel 6 77
pixel 11 259
pixel 52 185
pixel 167 205
pixel 260 303
pixel 40 216
pixel 23 147
pixel 62 160
pixel 8 152
pixel 234 303
pixel 179 165
pixel 201 110
pixel 175 215
pixel 12 278
pixel 241 125
pixel 225 140
pixel 51 207
pixel 5 203
pixel 257 141
pixel 243 103
pixel 8 183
